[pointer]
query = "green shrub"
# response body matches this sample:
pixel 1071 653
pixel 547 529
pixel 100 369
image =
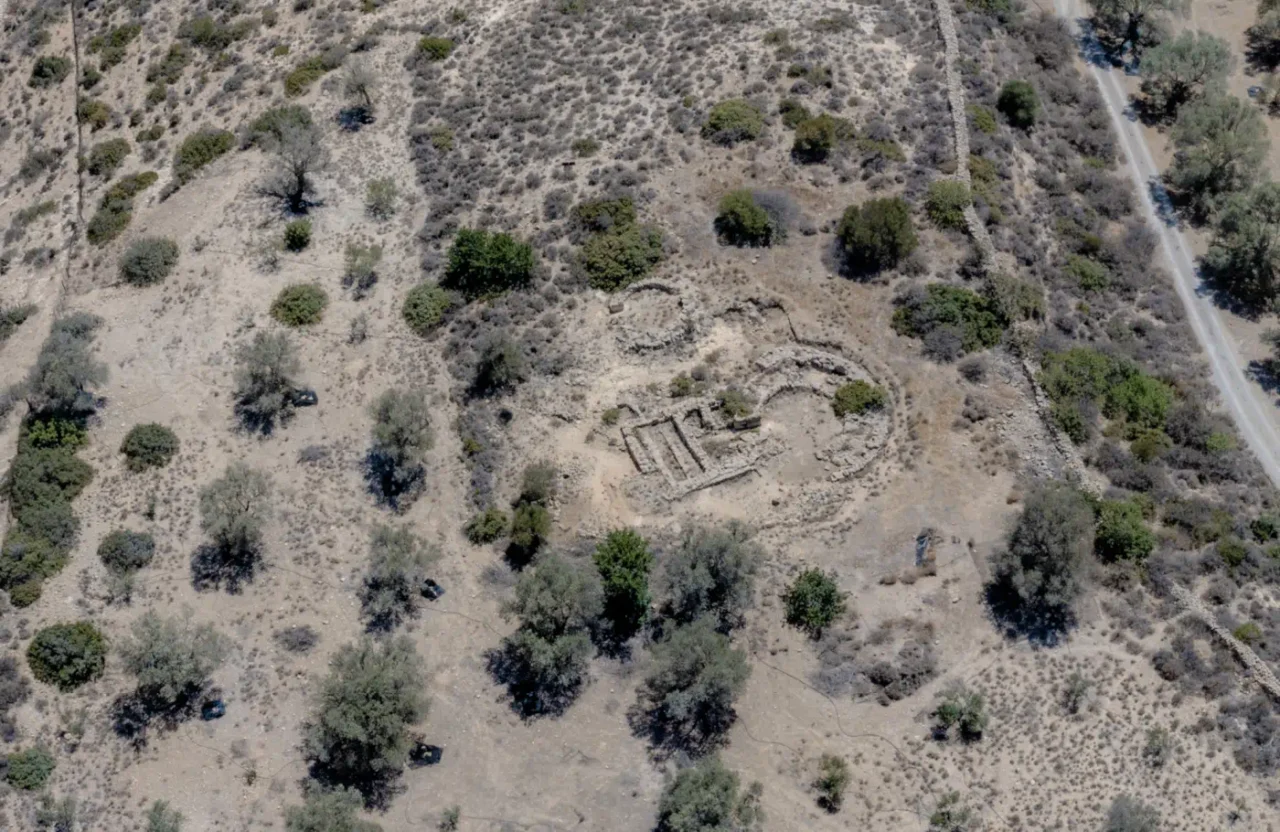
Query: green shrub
pixel 297 235
pixel 876 235
pixel 813 601
pixel 1265 528
pixel 530 527
pixel 1247 632
pixel 483 262
pixel 584 148
pixel 500 367
pixel 162 818
pixel 114 45
pixel 93 112
pixel 169 69
pixel 1019 103
pixel 734 403
pixel 945 203
pixel 31 213
pixel 1121 533
pixel 67 655
pixel 12 317
pixel 817 137
pixel 604 214
pixel 1149 444
pixel 301 304
pixel 299 81
pixel 963 709
pixel 435 48
pixel 29 770
pixel 123 551
pixel 148 446
pixel 614 260
pixel 200 149
pixel 833 779
pixel 270 126
pixel 328 811
pixel 624 561
pixel 742 222
pixel 857 397
pixel 1119 386
pixel 106 157
pixel 148 260
pixel 733 121
pixel 982 119
pixel 49 71
pixel 211 35
pixel 54 432
pixel 1089 273
pixel 975 320
pixel 425 307
pixel 116 209
pixel 1232 550
pixel 793 113
pixel 487 526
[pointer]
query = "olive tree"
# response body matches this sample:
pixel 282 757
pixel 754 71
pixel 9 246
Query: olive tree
pixel 1135 23
pixel 235 508
pixel 1037 573
pixel 299 154
pixel 689 693
pixel 358 733
pixel 707 797
pixel 171 659
pixel 359 84
pixel 402 436
pixel 712 573
pixel 265 381
pixel 1243 259
pixel 1181 69
pixel 1221 141
pixel 544 662
pixel 398 562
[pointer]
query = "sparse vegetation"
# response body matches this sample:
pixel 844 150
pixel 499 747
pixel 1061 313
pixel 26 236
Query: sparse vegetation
pixel 833 780
pixel 946 202
pixel 962 709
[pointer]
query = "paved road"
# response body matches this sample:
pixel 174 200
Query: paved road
pixel 1252 409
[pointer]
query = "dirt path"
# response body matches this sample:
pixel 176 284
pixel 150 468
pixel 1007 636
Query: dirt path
pixel 1253 412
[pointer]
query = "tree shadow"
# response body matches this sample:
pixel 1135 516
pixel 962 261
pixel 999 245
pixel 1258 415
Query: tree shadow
pixel 530 697
pixel 263 424
pixel 1043 625
pixel 355 117
pixel 134 714
pixel 392 485
pixel 218 567
pixel 1261 54
pixel 668 736
pixel 1266 374
pixel 377 790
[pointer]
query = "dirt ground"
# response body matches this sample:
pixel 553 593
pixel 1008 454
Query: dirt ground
pixel 849 497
